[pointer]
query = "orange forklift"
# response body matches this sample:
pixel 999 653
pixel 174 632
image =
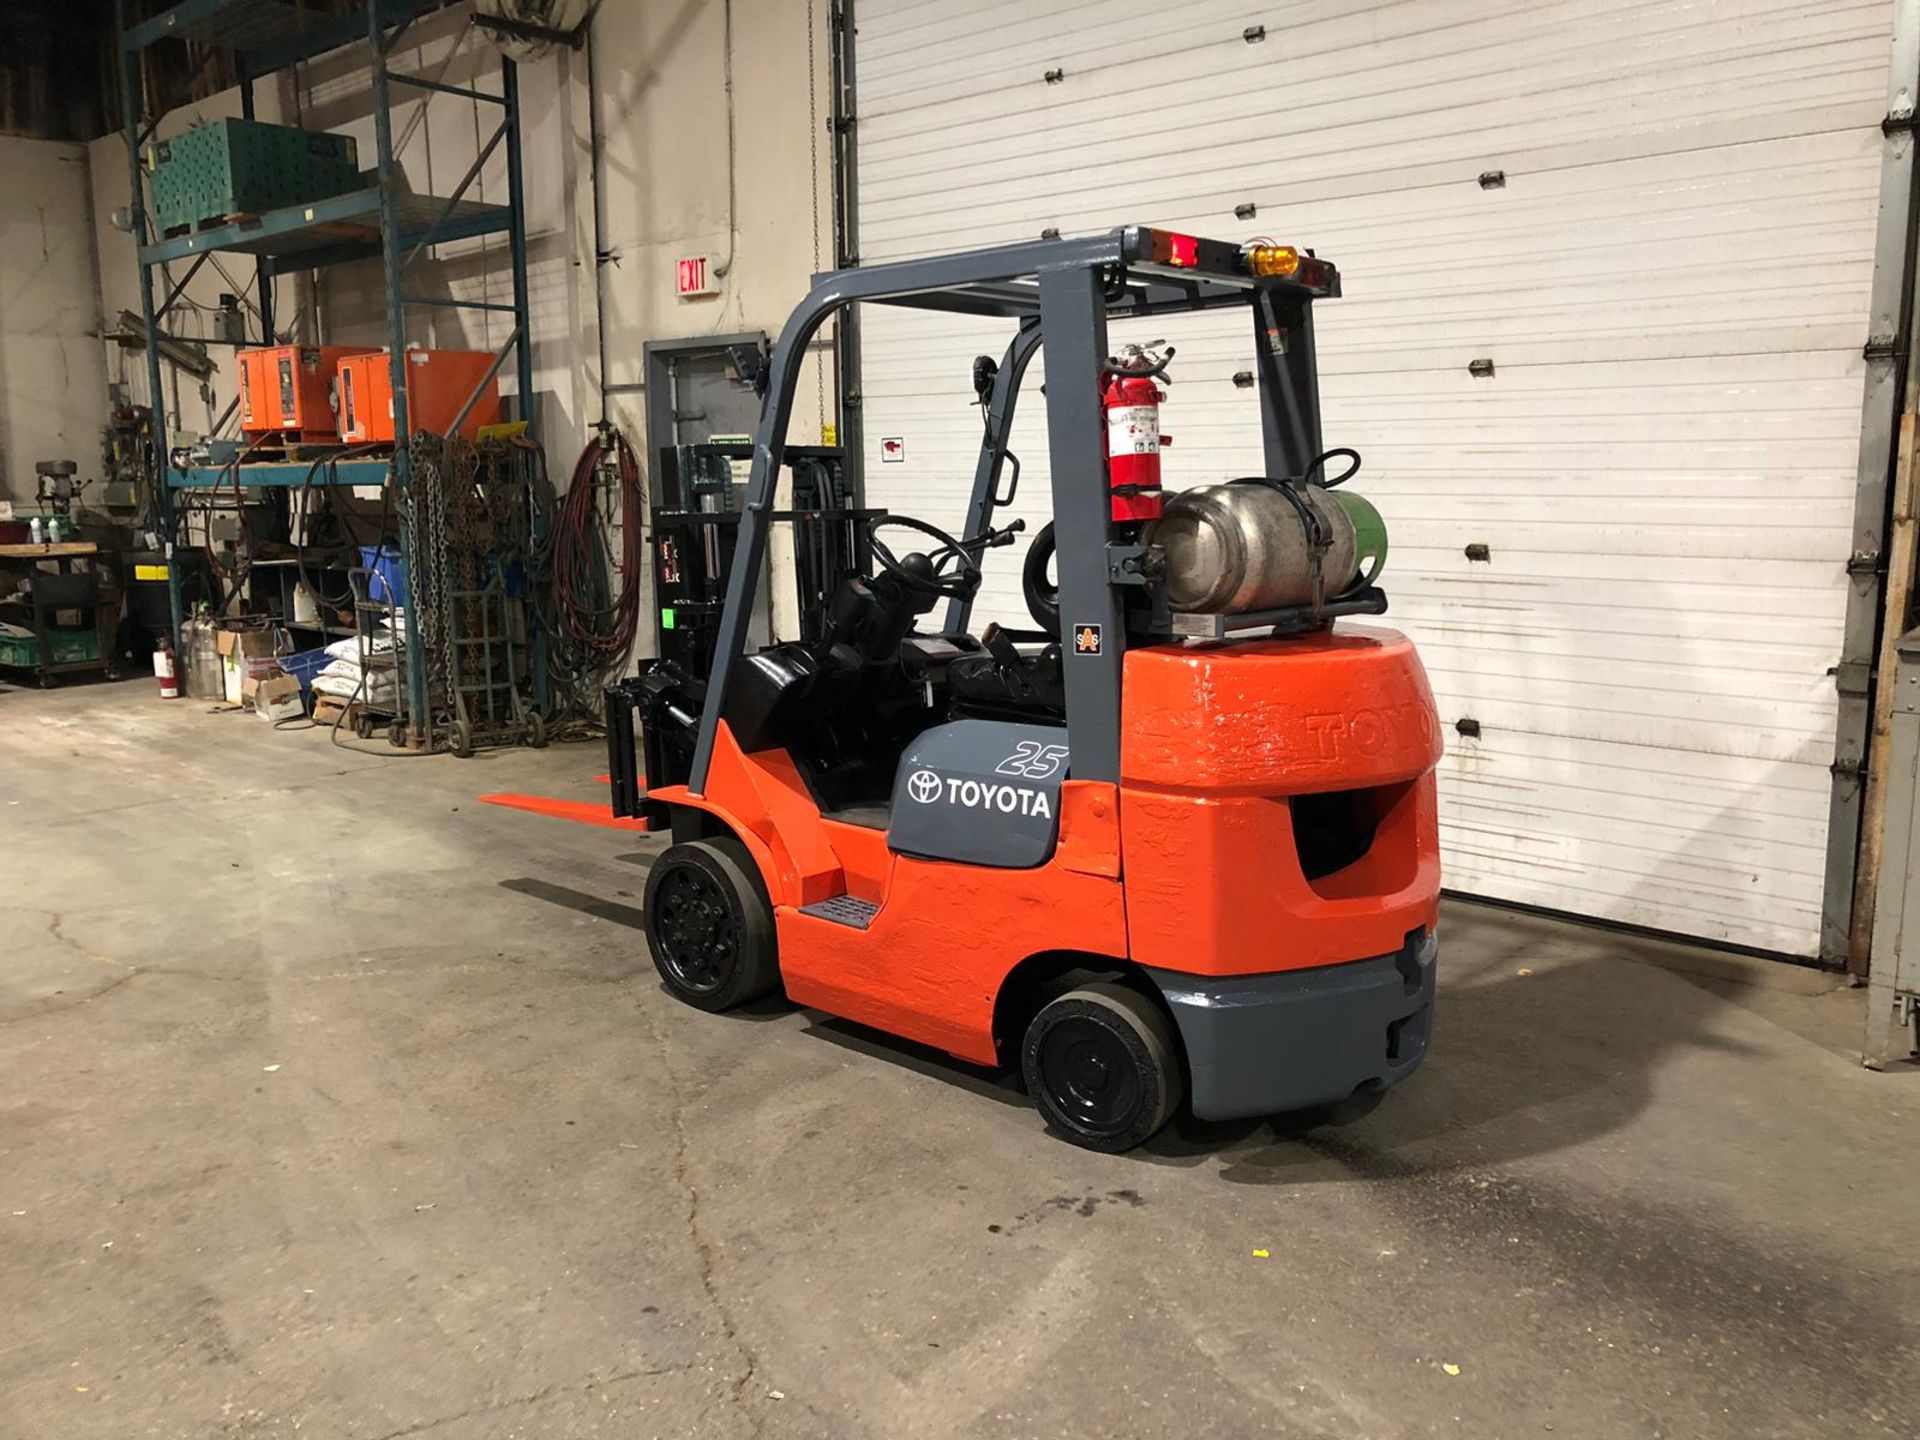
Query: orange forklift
pixel 1175 842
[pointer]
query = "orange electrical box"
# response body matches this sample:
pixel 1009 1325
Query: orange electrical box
pixel 288 389
pixel 438 384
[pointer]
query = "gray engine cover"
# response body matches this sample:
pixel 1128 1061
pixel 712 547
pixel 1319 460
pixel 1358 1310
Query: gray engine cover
pixel 983 792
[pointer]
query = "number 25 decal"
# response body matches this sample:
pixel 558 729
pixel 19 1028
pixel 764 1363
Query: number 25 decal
pixel 1033 760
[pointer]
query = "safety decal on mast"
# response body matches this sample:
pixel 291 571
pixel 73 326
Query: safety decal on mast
pixel 1086 639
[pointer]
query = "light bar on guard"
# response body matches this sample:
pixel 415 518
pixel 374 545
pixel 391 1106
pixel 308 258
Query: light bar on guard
pixel 1261 259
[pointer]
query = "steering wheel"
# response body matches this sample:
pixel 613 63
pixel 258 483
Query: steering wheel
pixel 929 576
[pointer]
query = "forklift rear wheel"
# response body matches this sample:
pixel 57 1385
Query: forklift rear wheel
pixel 1101 1066
pixel 709 925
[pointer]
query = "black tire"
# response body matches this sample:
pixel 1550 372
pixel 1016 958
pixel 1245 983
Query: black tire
pixel 462 739
pixel 710 925
pixel 536 730
pixel 1102 1067
pixel 1043 595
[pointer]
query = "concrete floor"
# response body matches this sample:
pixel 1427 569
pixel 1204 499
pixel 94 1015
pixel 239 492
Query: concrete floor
pixel 334 1102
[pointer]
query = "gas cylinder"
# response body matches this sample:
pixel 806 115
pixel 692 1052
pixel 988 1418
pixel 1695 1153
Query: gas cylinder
pixel 200 669
pixel 165 672
pixel 1235 548
pixel 1132 404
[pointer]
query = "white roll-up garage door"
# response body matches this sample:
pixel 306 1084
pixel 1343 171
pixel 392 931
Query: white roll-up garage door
pixel 1655 218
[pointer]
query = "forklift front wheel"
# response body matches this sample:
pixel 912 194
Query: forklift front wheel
pixel 1102 1068
pixel 709 925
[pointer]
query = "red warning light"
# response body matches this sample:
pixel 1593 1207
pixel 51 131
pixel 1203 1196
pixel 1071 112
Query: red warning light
pixel 1182 250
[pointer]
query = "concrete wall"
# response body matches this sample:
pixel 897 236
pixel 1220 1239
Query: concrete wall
pixel 663 112
pixel 52 383
pixel 662 94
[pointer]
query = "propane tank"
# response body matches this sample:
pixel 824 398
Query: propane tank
pixel 165 671
pixel 1132 404
pixel 200 668
pixel 1234 548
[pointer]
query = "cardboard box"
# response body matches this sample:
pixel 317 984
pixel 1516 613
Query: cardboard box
pixel 277 698
pixel 245 655
pixel 252 643
pixel 254 674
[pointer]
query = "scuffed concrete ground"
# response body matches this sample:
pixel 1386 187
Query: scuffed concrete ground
pixel 334 1103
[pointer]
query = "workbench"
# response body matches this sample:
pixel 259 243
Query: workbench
pixel 59 588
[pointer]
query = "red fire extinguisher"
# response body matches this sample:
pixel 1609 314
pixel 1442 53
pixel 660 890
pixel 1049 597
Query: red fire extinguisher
pixel 164 671
pixel 1131 401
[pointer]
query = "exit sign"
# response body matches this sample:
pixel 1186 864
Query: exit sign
pixel 694 276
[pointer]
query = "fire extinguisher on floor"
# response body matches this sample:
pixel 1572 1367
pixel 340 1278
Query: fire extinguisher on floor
pixel 1131 402
pixel 165 671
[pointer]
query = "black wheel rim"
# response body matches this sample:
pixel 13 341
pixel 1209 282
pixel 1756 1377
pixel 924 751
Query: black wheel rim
pixel 694 926
pixel 1090 1075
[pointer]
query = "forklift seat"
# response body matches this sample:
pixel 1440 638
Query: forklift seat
pixel 1004 682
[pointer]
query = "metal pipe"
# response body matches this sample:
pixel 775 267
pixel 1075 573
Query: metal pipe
pixel 517 236
pixel 263 267
pixel 596 161
pixel 437 303
pixel 131 96
pixel 422 720
pixel 441 87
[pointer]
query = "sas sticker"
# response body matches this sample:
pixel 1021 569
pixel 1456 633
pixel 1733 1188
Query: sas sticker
pixel 1086 639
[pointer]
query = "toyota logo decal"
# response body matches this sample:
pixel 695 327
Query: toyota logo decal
pixel 924 786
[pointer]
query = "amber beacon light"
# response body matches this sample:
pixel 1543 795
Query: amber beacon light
pixel 1271 261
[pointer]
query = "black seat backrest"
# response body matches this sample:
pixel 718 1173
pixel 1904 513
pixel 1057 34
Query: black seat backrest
pixel 1006 683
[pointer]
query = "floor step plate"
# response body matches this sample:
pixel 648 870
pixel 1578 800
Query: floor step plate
pixel 843 910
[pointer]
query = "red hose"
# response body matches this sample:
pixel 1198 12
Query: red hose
pixel 605 632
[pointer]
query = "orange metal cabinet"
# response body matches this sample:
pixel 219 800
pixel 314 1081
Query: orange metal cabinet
pixel 438 384
pixel 288 390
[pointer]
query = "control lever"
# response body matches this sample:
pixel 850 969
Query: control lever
pixel 991 539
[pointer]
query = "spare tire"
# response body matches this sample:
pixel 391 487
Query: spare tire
pixel 1043 595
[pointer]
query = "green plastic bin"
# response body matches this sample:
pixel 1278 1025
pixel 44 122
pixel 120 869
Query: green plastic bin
pixel 245 167
pixel 20 650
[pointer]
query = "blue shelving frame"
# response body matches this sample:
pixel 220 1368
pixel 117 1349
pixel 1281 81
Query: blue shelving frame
pixel 384 221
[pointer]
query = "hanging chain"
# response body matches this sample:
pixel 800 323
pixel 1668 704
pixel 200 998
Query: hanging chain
pixel 432 608
pixel 461 508
pixel 466 547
